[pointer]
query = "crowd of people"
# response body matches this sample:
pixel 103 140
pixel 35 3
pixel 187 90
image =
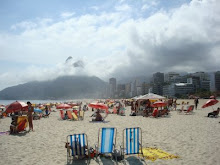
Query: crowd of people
pixel 145 108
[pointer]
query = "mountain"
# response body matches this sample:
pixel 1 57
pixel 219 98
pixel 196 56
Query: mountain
pixel 65 87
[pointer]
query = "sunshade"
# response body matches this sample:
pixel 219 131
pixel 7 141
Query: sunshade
pixel 38 110
pixel 210 102
pixel 16 107
pixel 159 104
pixel 150 96
pixel 63 106
pixel 98 106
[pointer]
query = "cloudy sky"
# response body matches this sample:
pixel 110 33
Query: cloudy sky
pixel 108 38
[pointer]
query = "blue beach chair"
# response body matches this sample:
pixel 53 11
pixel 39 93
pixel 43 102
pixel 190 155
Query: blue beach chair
pixel 133 141
pixel 77 146
pixel 108 141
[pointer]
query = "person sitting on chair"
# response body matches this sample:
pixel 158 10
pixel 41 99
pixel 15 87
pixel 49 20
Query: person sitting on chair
pixel 13 126
pixel 214 113
pixel 98 116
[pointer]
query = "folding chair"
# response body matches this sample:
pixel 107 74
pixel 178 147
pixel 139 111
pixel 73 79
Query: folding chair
pixel 22 123
pixel 133 139
pixel 77 146
pixel 108 141
pixel 81 115
pixel 69 114
pixel 189 110
pixel 61 114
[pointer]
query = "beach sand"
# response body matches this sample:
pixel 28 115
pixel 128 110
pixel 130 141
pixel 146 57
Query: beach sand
pixel 195 138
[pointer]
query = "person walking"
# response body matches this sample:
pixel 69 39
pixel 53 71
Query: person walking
pixel 30 116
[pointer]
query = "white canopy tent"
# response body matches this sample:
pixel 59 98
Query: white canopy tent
pixel 150 96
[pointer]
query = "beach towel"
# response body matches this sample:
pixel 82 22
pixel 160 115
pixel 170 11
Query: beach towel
pixel 4 133
pixel 155 153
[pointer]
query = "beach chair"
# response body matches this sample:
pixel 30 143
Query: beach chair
pixel 189 110
pixel 75 117
pixel 69 114
pixel 22 123
pixel 108 141
pixel 132 141
pixel 77 147
pixel 62 114
pixel 81 115
pixel 155 113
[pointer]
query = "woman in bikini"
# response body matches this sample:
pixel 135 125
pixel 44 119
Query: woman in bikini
pixel 30 116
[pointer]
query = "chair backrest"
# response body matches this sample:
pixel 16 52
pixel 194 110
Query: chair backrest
pixel 81 114
pixel 61 114
pixel 108 140
pixel 190 109
pixel 22 123
pixel 78 144
pixel 69 114
pixel 133 138
pixel 74 116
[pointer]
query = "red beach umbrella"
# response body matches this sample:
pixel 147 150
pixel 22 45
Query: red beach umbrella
pixel 73 104
pixel 159 104
pixel 99 106
pixel 16 107
pixel 212 97
pixel 210 103
pixel 63 106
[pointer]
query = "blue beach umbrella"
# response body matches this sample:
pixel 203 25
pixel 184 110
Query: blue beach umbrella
pixel 38 110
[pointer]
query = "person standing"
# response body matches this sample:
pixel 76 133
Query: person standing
pixel 174 104
pixel 196 101
pixel 46 110
pixel 30 116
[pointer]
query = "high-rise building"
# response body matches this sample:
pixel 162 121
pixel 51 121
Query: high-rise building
pixel 217 81
pixel 201 75
pixel 128 92
pixel 145 88
pixel 158 78
pixel 112 87
pixel 121 90
pixel 212 81
pixel 171 76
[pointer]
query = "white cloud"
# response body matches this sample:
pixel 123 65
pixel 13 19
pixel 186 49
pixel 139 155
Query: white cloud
pixel 115 44
pixel 67 14
pixel 124 7
pixel 145 7
pixel 24 25
pixel 95 8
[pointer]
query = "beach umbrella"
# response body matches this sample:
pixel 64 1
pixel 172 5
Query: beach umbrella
pixel 212 97
pixel 38 110
pixel 98 106
pixel 210 102
pixel 16 107
pixel 159 104
pixel 73 104
pixel 63 106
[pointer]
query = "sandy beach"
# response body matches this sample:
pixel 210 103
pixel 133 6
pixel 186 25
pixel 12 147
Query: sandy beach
pixel 194 138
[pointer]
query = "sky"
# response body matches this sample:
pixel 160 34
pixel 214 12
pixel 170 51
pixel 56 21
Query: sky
pixel 111 38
